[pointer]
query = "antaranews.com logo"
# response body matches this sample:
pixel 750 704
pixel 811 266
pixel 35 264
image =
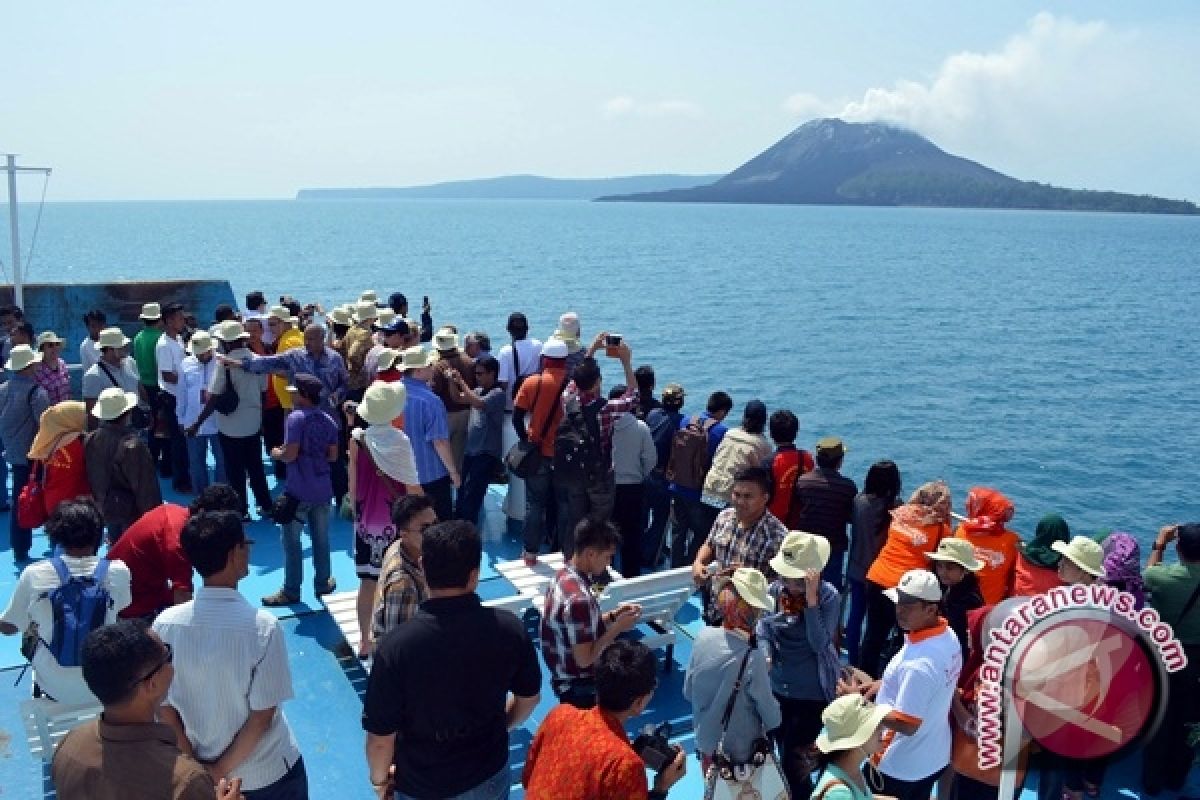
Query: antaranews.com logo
pixel 1080 669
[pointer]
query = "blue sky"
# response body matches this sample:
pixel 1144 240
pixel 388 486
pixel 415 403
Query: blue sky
pixel 218 99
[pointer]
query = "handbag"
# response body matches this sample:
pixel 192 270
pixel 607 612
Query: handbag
pixel 283 510
pixel 227 401
pixel 760 777
pixel 31 502
pixel 525 458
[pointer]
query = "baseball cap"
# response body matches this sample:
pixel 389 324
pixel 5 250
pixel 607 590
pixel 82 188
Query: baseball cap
pixel 554 348
pixel 916 584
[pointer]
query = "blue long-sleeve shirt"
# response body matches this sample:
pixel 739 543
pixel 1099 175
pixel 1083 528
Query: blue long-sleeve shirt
pixel 716 656
pixel 800 646
pixel 328 368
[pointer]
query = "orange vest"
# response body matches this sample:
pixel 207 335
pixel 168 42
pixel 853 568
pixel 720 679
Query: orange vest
pixel 998 552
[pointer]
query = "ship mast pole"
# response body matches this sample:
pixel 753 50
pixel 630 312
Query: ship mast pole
pixel 12 169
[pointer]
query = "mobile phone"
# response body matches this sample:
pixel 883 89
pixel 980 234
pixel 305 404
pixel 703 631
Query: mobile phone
pixel 612 343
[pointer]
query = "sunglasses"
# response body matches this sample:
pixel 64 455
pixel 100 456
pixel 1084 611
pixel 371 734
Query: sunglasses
pixel 167 659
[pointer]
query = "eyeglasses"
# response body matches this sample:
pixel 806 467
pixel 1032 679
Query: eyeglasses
pixel 167 659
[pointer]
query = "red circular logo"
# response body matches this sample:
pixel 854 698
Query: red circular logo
pixel 1084 688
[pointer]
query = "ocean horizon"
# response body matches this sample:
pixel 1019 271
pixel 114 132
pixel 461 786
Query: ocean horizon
pixel 1047 354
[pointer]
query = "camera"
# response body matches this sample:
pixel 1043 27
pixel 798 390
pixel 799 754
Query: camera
pixel 653 746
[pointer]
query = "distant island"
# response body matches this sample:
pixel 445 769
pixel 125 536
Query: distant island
pixel 832 162
pixel 517 187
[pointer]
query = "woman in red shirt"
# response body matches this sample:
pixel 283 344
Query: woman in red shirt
pixel 58 450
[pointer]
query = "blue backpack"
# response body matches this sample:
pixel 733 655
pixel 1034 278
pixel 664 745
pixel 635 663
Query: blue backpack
pixel 80 604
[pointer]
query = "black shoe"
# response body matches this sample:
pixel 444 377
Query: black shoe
pixel 329 588
pixel 280 598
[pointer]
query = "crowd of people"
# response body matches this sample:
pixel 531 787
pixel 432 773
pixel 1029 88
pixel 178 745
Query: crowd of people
pixel 400 427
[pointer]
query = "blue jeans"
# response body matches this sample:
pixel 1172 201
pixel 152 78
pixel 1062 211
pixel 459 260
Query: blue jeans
pixel 477 472
pixel 292 786
pixel 21 539
pixel 317 517
pixel 854 622
pixel 494 788
pixel 197 451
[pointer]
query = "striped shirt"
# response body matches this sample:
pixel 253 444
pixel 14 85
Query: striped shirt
pixel 425 421
pixel 230 659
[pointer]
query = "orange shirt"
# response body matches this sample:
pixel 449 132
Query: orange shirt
pixel 540 397
pixel 906 548
pixel 1031 579
pixel 582 755
pixel 998 552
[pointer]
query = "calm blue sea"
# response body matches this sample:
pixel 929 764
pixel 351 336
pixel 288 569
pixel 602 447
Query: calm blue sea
pixel 1051 355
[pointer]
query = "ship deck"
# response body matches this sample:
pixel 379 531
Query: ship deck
pixel 329 681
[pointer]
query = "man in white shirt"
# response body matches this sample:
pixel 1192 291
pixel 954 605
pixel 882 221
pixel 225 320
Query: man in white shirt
pixel 919 684
pixel 169 355
pixel 77 526
pixel 114 369
pixel 198 371
pixel 518 361
pixel 89 348
pixel 231 670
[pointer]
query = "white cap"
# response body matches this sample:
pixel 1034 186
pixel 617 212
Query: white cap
pixel 916 584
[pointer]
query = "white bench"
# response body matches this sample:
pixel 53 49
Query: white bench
pixel 534 580
pixel 660 595
pixel 47 722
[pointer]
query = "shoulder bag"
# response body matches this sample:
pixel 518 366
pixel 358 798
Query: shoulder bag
pixel 31 502
pixel 227 401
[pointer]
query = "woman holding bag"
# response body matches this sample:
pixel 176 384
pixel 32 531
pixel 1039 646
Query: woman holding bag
pixel 382 469
pixel 56 456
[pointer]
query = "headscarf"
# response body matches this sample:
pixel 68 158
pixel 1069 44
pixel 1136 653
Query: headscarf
pixel 60 425
pixel 928 505
pixel 970 669
pixel 1050 529
pixel 736 613
pixel 1123 565
pixel 987 510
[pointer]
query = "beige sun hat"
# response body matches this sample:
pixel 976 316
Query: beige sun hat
pixel 151 311
pixel 48 337
pixel 572 342
pixel 340 316
pixel 112 337
pixel 445 339
pixel 849 722
pixel 415 358
pixel 957 551
pixel 387 359
pixel 1084 553
pixel 369 296
pixel 230 331
pixel 113 402
pixel 200 343
pixel 916 584
pixel 21 357
pixel 365 310
pixel 386 315
pixel 382 402
pixel 800 552
pixel 280 313
pixel 751 586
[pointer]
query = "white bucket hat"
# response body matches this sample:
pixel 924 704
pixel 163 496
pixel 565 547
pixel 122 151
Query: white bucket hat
pixel 445 339
pixel 48 337
pixel 369 296
pixel 916 584
pixel 800 552
pixel 113 402
pixel 340 316
pixel 365 310
pixel 387 359
pixel 386 315
pixel 849 722
pixel 21 357
pixel 200 343
pixel 151 311
pixel 382 402
pixel 415 358
pixel 1084 553
pixel 280 313
pixel 230 331
pixel 751 586
pixel 112 337
pixel 957 551
pixel 554 348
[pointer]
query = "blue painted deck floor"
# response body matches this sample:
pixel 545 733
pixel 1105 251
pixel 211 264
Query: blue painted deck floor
pixel 325 713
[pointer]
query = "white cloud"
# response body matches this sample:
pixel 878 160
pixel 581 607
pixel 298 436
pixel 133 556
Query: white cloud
pixel 1050 104
pixel 624 105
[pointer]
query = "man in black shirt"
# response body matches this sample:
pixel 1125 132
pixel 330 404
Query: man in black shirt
pixel 438 706
pixel 823 503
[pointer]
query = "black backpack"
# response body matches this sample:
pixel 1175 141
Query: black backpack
pixel 577 450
